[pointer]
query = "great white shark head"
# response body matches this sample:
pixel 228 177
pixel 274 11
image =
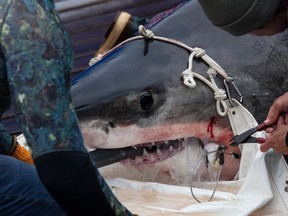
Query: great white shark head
pixel 135 95
pixel 149 103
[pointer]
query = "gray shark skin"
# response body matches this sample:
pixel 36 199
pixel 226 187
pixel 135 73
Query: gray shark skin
pixel 136 95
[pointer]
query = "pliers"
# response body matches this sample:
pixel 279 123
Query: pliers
pixel 247 138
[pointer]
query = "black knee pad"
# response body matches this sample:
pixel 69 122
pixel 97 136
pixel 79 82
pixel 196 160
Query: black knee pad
pixel 70 178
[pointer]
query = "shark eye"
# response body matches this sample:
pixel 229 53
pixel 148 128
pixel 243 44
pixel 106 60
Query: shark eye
pixel 146 101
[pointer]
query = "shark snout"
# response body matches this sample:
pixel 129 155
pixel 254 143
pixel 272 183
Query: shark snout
pixel 95 132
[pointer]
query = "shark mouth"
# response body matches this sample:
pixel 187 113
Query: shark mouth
pixel 184 154
pixel 168 147
pixel 161 150
pixel 174 158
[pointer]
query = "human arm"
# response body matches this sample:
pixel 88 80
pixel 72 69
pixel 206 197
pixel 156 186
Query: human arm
pixel 39 60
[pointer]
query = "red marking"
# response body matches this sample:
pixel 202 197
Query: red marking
pixel 210 128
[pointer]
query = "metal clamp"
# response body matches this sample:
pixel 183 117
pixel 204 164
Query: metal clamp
pixel 236 89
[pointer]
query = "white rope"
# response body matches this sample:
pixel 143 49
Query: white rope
pixel 146 33
pixel 95 59
pixel 200 53
pixel 188 74
pixel 188 80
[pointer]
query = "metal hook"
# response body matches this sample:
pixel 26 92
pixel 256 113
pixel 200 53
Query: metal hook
pixel 236 89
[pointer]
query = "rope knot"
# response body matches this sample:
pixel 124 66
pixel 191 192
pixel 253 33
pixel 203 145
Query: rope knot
pixel 146 33
pixel 212 72
pixel 95 59
pixel 220 94
pixel 199 52
pixel 188 78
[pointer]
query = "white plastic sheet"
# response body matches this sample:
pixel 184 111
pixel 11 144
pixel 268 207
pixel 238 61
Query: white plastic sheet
pixel 259 191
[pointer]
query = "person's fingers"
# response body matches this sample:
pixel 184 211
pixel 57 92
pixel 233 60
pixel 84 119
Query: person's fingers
pixel 281 120
pixel 269 130
pixel 280 105
pixel 286 118
pixel 273 114
pixel 265 146
pixel 268 135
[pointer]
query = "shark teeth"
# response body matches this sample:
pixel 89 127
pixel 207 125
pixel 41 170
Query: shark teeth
pixel 145 153
pixel 160 150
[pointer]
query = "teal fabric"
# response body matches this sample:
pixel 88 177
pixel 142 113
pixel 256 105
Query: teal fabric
pixel 38 62
pixel 6 143
pixel 35 67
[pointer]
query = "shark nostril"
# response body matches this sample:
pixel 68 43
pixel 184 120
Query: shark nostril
pixel 110 124
pixel 146 101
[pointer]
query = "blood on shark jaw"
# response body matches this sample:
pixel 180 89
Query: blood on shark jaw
pixel 110 135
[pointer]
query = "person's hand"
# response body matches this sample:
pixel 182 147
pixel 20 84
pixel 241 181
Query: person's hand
pixel 278 113
pixel 278 119
pixel 281 120
pixel 278 108
pixel 276 140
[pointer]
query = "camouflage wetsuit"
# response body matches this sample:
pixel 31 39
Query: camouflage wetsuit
pixel 35 64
